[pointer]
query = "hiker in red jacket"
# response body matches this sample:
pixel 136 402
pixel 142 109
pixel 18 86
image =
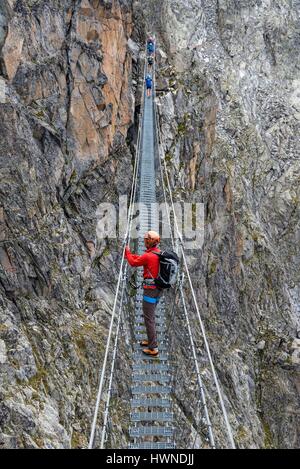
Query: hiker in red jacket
pixel 150 262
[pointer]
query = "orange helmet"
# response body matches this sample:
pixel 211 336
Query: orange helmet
pixel 151 239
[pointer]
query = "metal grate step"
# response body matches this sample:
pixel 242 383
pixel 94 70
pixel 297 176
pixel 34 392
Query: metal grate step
pixel 150 445
pixel 139 312
pixel 139 305
pixel 162 402
pixel 155 431
pixel 151 389
pixel 151 416
pixel 139 355
pixel 140 336
pixel 143 328
pixel 151 367
pixel 158 320
pixel 162 347
pixel 151 377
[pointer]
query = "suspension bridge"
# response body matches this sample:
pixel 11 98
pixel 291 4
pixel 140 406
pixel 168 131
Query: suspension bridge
pixel 154 416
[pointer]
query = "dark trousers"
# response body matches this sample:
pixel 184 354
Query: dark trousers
pixel 149 314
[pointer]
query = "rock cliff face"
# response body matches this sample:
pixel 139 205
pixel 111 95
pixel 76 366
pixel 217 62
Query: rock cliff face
pixel 69 104
pixel 229 112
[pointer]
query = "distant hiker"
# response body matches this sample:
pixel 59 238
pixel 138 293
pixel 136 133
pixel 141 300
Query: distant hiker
pixel 149 85
pixel 150 61
pixel 150 262
pixel 150 48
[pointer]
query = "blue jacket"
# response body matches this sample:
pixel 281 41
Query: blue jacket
pixel 149 82
pixel 151 47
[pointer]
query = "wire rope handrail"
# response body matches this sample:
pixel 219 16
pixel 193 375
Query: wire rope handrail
pixel 181 248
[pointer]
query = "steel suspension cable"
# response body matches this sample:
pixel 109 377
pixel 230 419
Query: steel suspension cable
pixel 199 380
pixel 228 427
pixel 196 364
pixel 111 374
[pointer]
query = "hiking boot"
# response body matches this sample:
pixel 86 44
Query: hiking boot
pixel 144 343
pixel 153 352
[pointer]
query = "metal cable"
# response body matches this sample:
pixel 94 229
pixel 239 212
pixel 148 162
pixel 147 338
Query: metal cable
pixel 228 427
pixel 203 398
pixel 111 375
pixel 199 379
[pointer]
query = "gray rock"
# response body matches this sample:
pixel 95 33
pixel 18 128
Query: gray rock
pixel 5 14
pixel 261 345
pixel 134 49
pixel 3 354
pixel 8 442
